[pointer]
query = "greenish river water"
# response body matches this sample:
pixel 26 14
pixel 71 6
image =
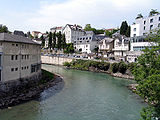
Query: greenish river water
pixel 84 96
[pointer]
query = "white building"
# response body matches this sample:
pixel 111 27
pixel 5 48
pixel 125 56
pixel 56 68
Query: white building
pixel 132 56
pixel 88 42
pixel 143 26
pixel 121 45
pixel 72 32
pixel 20 57
pixel 106 46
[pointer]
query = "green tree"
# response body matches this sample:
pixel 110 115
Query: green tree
pixel 153 12
pixel 59 41
pixel 43 41
pixel 147 75
pixel 128 32
pixel 139 16
pixel 3 29
pixel 63 41
pixel 54 40
pixel 69 48
pixel 88 27
pixel 50 40
pixel 123 28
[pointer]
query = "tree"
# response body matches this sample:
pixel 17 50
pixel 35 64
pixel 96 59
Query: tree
pixel 139 16
pixel 147 75
pixel 69 48
pixel 43 41
pixel 128 31
pixel 153 12
pixel 54 40
pixel 59 41
pixel 3 29
pixel 50 40
pixel 88 27
pixel 123 28
pixel 63 41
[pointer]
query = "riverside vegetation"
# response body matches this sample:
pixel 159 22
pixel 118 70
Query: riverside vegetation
pixel 96 66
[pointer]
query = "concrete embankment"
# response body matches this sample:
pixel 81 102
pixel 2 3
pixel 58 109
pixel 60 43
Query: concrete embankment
pixel 55 60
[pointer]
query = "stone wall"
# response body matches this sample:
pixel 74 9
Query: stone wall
pixel 55 60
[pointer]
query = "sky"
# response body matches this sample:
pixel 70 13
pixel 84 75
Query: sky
pixel 41 15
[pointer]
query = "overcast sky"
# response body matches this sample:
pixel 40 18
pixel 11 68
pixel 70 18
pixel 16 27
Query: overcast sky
pixel 41 15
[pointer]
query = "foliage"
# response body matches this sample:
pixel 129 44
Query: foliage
pixel 50 40
pixel 114 67
pixel 139 16
pixel 3 29
pixel 43 41
pixel 147 75
pixel 89 28
pixel 153 12
pixel 53 40
pixel 109 33
pixel 128 32
pixel 59 40
pixel 69 48
pixel 63 41
pixel 125 29
pixel 67 64
pixel 122 67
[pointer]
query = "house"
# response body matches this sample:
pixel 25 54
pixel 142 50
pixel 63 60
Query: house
pixel 143 26
pixel 72 32
pixel 87 42
pixel 35 34
pixel 121 46
pixel 132 56
pixel 57 29
pixel 105 46
pixel 20 57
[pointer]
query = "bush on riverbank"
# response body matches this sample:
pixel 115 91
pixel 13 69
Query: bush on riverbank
pixel 98 66
pixel 46 76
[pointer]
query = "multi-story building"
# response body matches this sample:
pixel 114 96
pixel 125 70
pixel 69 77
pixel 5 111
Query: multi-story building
pixel 20 57
pixel 142 26
pixel 57 29
pixel 72 32
pixel 121 46
pixel 105 46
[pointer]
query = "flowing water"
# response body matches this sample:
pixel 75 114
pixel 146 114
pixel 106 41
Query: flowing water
pixel 84 96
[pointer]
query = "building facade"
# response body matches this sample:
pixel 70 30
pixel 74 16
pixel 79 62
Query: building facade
pixel 72 32
pixel 105 46
pixel 143 26
pixel 20 57
pixel 57 29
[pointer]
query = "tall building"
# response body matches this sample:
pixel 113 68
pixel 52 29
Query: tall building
pixel 72 32
pixel 142 26
pixel 20 57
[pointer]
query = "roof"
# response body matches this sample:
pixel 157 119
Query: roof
pixel 107 40
pixel 74 27
pixel 15 38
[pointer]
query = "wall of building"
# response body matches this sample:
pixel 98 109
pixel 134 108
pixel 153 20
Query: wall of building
pixel 17 58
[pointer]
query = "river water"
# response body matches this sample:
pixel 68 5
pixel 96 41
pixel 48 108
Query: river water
pixel 84 96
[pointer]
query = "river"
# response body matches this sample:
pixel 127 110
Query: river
pixel 84 96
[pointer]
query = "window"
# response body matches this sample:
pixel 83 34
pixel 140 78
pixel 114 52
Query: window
pixel 12 44
pixel 12 57
pixel 144 22
pixel 144 27
pixel 159 25
pixel 86 45
pixel 151 20
pixel 159 18
pixel 16 45
pixel 89 37
pixel 134 29
pixel 12 69
pixel 16 57
pixel 134 35
pixel 0 59
pixel 83 38
pixel 27 56
pixel 151 27
pixel 0 76
pixel 25 67
pixel 86 38
pixel 16 69
pixel 22 68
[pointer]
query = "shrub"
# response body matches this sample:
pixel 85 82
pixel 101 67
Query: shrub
pixel 106 66
pixel 67 64
pixel 122 67
pixel 114 67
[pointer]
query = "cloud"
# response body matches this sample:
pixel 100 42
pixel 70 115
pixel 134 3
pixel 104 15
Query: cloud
pixel 100 13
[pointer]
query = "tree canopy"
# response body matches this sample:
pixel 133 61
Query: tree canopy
pixel 139 16
pixel 153 12
pixel 125 29
pixel 3 29
pixel 147 75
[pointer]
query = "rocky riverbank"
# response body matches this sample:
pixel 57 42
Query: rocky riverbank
pixel 25 90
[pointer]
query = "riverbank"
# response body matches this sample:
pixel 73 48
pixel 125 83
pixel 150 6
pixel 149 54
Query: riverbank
pixel 29 91
pixel 120 70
